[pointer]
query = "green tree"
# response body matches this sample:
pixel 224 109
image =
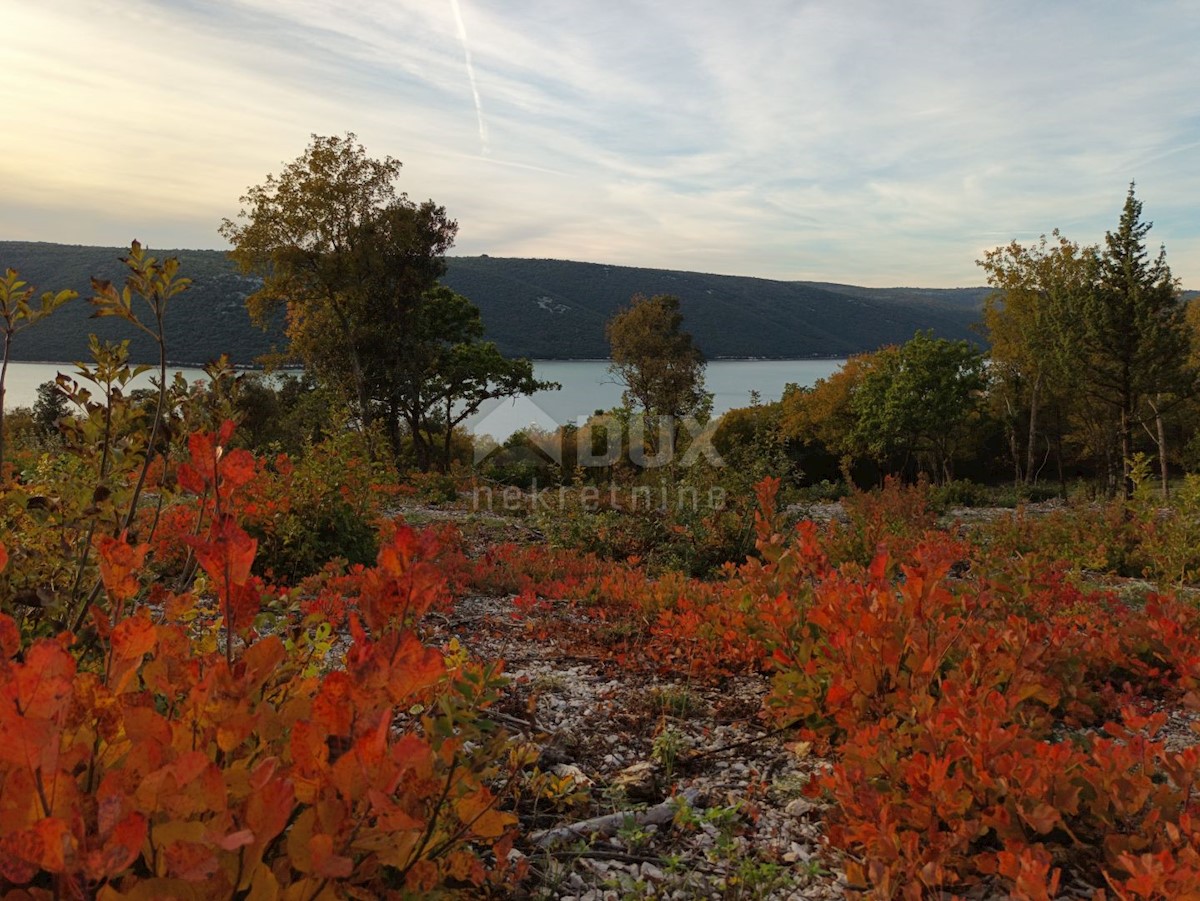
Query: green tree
pixel 654 360
pixel 444 372
pixel 49 408
pixel 1029 321
pixel 1133 337
pixel 918 404
pixel 356 265
pixel 343 252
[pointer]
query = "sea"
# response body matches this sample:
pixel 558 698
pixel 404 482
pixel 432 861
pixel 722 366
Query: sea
pixel 587 386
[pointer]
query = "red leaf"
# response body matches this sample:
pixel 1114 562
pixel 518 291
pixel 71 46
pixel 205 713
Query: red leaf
pixel 10 636
pixel 121 849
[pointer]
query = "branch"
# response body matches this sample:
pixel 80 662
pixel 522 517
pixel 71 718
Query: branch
pixel 611 824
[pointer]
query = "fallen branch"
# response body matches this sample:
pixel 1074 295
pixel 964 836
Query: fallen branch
pixel 611 824
pixel 713 752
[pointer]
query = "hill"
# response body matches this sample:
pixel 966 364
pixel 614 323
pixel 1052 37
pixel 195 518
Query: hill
pixel 545 309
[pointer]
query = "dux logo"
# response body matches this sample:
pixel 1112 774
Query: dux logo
pixel 650 445
pixel 498 420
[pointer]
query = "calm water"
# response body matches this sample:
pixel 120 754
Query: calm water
pixel 20 387
pixel 586 387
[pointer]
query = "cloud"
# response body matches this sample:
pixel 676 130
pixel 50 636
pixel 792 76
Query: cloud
pixel 867 142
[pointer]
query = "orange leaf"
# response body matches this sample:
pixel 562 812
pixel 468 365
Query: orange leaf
pixel 10 636
pixel 56 842
pixel 134 637
pixel 191 861
pixel 325 863
pixel 121 849
pixel 119 565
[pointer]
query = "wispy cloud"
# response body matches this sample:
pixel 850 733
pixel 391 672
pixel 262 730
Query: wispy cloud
pixel 466 46
pixel 868 142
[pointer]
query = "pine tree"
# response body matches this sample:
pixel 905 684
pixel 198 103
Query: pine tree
pixel 1133 337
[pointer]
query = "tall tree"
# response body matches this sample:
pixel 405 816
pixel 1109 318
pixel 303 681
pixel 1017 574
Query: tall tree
pixel 342 250
pixel 1037 288
pixel 1134 341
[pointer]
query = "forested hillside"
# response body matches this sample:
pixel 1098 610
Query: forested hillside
pixel 545 309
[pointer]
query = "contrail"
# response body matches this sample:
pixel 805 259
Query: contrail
pixel 462 36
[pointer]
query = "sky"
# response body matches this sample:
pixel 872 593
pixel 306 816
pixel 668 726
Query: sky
pixel 862 141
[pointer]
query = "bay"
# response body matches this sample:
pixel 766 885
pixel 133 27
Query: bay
pixel 587 387
pixel 21 383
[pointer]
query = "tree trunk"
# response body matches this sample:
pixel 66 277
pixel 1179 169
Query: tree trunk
pixel 1162 452
pixel 1058 454
pixel 1030 475
pixel 1014 451
pixel 360 381
pixel 395 438
pixel 1126 454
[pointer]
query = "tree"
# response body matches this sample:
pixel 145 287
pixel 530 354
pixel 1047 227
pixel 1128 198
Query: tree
pixel 918 403
pixel 49 408
pixel 660 369
pixel 1026 320
pixel 822 417
pixel 342 251
pixel 356 265
pixel 1133 337
pixel 443 372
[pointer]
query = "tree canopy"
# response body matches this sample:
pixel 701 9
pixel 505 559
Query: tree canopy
pixel 660 369
pixel 357 264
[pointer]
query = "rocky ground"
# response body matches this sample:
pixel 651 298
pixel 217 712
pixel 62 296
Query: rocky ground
pixel 654 787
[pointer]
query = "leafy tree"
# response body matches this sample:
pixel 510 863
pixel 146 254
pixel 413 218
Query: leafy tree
pixel 1132 333
pixel 660 369
pixel 357 266
pixel 824 413
pixel 343 252
pixel 49 408
pixel 1027 319
pixel 444 372
pixel 919 403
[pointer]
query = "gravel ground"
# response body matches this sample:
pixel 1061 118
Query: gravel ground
pixel 632 743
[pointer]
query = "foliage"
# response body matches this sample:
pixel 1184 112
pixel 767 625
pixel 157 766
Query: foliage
pixel 356 264
pixel 1133 339
pixel 1101 334
pixel 443 372
pixel 322 506
pixel 165 766
pixel 16 315
pixel 1028 323
pixel 656 363
pixel 992 726
pixel 984 727
pixel 919 404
